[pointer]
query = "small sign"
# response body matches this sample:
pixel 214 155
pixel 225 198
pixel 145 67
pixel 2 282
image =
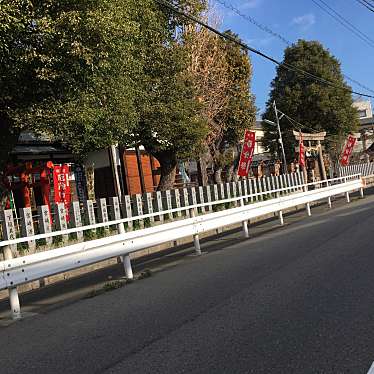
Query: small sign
pixel 81 183
pixel 61 186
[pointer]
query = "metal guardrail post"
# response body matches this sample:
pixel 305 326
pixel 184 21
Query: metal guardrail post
pixel 347 193
pixel 308 209
pixel 126 258
pixel 329 202
pixel 361 193
pixel 127 266
pixel 244 223
pixel 13 293
pixel 196 240
pixel 115 212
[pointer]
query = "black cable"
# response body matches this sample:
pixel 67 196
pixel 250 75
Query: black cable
pixel 366 5
pixel 277 35
pixel 253 21
pixel 257 52
pixel 347 21
pixel 344 22
pixel 358 83
pixel 369 2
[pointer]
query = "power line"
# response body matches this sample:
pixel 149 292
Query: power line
pixel 344 22
pixel 358 83
pixel 257 52
pixel 298 125
pixel 253 21
pixel 277 35
pixel 366 5
pixel 348 24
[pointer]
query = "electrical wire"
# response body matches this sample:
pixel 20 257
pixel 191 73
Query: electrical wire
pixel 298 125
pixel 366 5
pixel 253 21
pixel 344 22
pixel 358 83
pixel 257 52
pixel 277 35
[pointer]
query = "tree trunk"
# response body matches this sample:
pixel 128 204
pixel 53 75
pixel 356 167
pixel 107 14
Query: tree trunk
pixel 168 166
pixel 218 175
pixel 230 173
pixel 202 172
pixel 8 140
pixel 202 168
pixel 236 163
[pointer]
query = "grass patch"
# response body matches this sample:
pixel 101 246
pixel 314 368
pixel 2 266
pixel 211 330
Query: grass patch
pixel 113 285
pixel 145 274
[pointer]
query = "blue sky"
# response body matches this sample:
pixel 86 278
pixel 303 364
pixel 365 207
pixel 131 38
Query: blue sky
pixel 302 19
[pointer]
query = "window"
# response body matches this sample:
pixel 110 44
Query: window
pixel 362 113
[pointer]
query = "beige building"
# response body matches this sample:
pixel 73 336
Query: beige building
pixel 364 109
pixel 259 149
pixel 366 131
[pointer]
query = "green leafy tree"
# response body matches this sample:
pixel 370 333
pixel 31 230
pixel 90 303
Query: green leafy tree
pixel 170 127
pixel 68 68
pixel 317 106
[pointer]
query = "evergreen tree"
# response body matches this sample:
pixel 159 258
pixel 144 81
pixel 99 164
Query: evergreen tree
pixel 315 105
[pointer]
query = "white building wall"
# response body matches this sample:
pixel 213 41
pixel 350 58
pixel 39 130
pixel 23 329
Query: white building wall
pixel 364 108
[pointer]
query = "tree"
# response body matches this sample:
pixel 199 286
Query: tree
pixel 170 127
pixel 209 70
pixel 221 72
pixel 68 69
pixel 317 106
pixel 238 115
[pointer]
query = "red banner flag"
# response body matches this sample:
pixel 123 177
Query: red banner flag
pixel 61 186
pixel 247 153
pixel 301 151
pixel 348 149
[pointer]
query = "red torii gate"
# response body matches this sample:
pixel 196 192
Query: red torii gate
pixel 24 172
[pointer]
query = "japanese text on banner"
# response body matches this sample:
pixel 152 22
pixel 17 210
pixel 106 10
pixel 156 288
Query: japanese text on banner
pixel 348 149
pixel 247 153
pixel 61 185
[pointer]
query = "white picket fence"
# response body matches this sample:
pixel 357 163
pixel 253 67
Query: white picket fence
pixel 366 169
pixel 25 224
pixel 196 212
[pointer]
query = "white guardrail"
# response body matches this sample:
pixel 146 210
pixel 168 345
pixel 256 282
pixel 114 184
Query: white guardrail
pixel 16 271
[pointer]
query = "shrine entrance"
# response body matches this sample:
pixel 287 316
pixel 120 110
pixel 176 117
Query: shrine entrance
pixel 28 185
pixel 315 169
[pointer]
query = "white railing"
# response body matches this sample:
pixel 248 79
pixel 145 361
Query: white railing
pixel 46 219
pixel 366 169
pixel 27 268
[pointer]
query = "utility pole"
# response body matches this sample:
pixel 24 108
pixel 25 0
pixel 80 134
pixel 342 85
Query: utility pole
pixel 113 163
pixel 280 137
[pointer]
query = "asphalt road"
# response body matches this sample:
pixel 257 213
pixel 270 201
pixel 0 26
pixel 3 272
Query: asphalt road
pixel 296 299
